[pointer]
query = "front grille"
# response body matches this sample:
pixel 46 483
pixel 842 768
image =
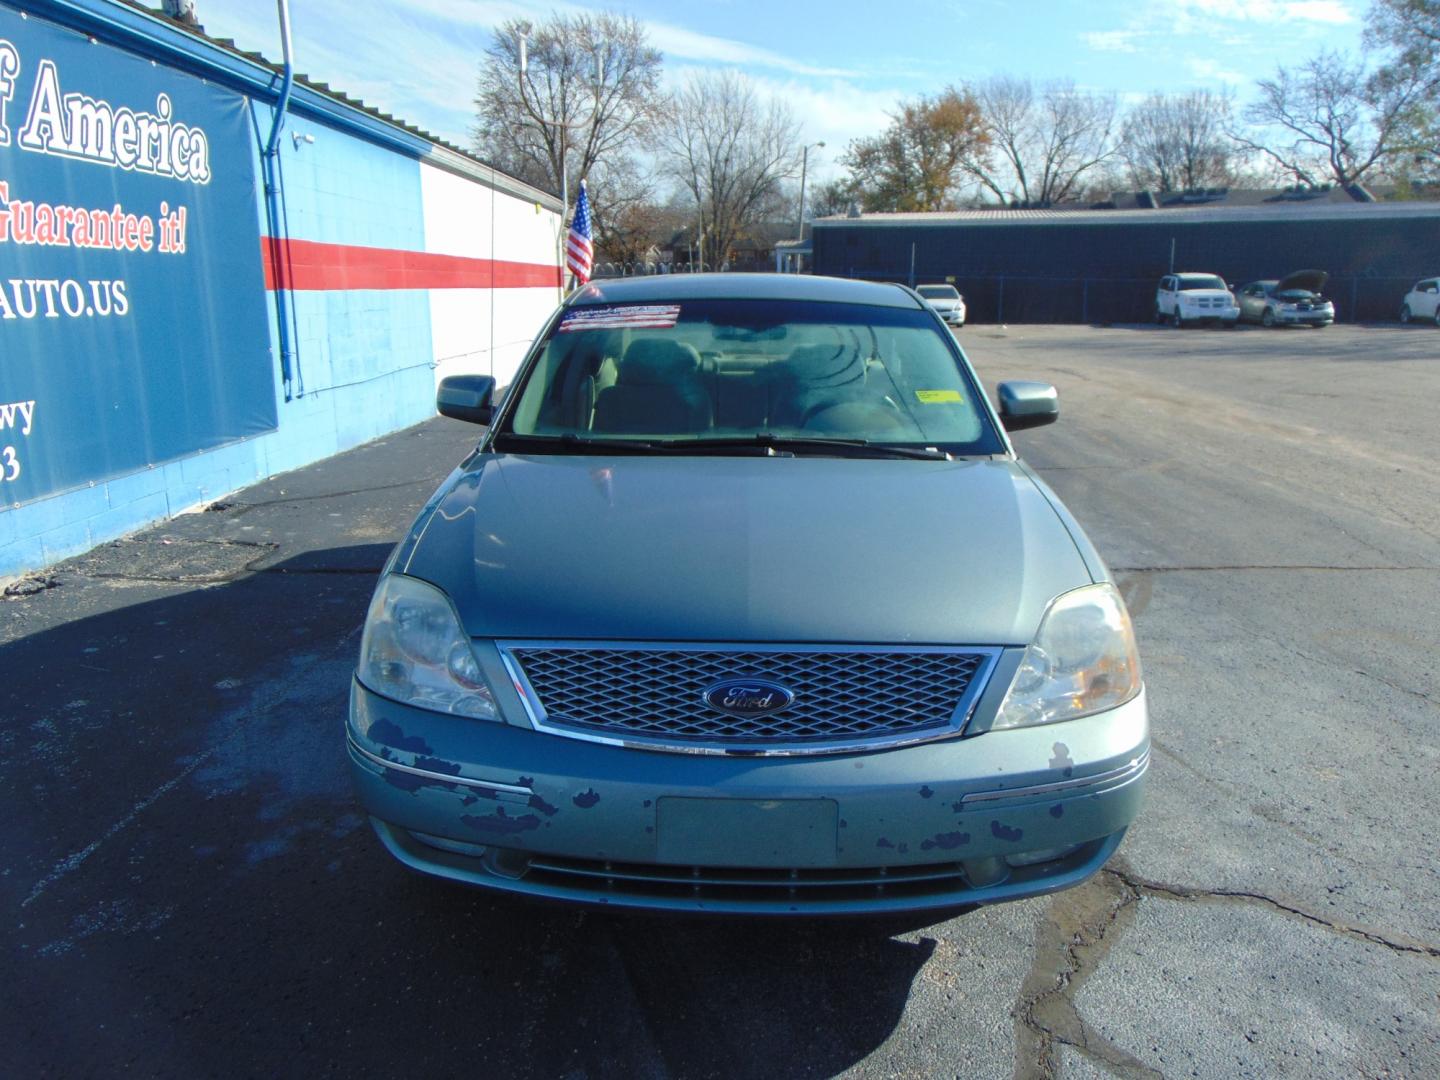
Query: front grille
pixel 793 890
pixel 842 697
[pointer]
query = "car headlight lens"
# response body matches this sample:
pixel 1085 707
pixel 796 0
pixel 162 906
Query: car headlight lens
pixel 1082 661
pixel 415 651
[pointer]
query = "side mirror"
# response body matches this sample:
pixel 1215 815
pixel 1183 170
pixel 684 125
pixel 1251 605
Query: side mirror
pixel 1028 404
pixel 466 397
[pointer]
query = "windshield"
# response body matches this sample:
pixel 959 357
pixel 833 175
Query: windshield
pixel 938 292
pixel 1200 281
pixel 751 370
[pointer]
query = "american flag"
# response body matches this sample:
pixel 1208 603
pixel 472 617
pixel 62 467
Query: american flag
pixel 579 256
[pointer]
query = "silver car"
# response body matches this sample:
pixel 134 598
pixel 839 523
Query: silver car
pixel 1294 300
pixel 745 604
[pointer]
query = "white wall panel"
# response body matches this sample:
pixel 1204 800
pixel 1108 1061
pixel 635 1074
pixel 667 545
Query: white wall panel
pixel 480 330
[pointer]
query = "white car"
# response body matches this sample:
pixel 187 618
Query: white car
pixel 1422 302
pixel 1186 299
pixel 947 302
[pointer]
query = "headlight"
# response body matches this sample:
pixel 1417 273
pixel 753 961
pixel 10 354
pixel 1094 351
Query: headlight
pixel 415 651
pixel 1082 661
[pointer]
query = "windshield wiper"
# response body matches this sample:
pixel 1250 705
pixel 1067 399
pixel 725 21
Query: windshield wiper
pixel 793 443
pixel 762 443
pixel 570 443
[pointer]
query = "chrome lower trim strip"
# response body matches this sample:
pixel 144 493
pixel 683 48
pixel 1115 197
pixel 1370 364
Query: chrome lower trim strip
pixel 964 709
pixel 438 777
pixel 1128 771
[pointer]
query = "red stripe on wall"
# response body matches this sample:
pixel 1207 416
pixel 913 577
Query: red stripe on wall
pixel 308 265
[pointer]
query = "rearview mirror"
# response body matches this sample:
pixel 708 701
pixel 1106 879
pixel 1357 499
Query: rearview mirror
pixel 466 397
pixel 1028 404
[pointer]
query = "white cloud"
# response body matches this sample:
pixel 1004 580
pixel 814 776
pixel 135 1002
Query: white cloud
pixel 1113 40
pixel 1331 12
pixel 1213 71
pixel 688 45
pixel 673 41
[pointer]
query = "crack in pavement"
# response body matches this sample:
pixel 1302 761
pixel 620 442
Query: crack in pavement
pixel 1144 886
pixel 1080 927
pixel 240 509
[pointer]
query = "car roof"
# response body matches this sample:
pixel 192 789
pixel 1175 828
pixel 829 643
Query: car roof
pixel 661 287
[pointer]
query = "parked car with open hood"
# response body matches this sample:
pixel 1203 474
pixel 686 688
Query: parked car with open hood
pixel 745 604
pixel 1191 299
pixel 1422 302
pixel 1294 300
pixel 946 300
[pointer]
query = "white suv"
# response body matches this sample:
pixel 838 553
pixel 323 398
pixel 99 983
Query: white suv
pixel 1184 299
pixel 1422 302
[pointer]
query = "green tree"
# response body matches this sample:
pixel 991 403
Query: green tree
pixel 1407 32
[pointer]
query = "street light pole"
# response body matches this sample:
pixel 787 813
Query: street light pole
pixel 800 222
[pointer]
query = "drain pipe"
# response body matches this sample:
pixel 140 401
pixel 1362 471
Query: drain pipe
pixel 273 197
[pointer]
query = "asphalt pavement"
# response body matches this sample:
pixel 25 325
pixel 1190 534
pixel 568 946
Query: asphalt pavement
pixel 191 891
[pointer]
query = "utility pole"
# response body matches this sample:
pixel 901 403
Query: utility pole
pixel 800 222
pixel 563 129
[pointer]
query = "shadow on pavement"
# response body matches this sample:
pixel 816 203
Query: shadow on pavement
pixel 191 890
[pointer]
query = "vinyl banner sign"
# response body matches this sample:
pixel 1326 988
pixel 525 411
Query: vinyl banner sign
pixel 133 327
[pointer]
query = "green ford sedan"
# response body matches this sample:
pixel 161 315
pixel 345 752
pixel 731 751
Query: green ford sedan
pixel 745 604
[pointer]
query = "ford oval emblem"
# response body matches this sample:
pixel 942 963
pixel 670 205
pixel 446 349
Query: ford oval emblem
pixel 748 697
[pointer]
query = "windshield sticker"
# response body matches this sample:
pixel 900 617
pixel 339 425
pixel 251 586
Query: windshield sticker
pixel 936 397
pixel 632 316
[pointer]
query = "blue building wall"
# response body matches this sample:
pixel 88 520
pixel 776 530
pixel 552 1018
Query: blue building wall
pixel 362 359
pixel 361 364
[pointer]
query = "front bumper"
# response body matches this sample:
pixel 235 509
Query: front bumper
pixel 1305 318
pixel 933 826
pixel 1210 314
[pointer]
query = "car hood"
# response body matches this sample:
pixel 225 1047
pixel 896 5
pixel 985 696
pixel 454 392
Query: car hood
pixel 1303 280
pixel 746 549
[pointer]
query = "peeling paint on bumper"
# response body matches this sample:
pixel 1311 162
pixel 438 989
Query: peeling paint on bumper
pixel 920 827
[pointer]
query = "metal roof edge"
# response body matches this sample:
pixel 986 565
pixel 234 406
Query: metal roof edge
pixel 1193 215
pixel 149 34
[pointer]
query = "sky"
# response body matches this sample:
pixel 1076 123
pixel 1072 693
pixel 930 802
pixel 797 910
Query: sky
pixel 843 65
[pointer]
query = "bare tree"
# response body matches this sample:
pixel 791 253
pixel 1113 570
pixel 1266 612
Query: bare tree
pixel 915 163
pixel 588 96
pixel 632 218
pixel 1178 142
pixel 1326 122
pixel 730 153
pixel 1043 142
pixel 833 197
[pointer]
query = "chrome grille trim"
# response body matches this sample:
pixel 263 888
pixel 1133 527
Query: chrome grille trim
pixel 679 688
